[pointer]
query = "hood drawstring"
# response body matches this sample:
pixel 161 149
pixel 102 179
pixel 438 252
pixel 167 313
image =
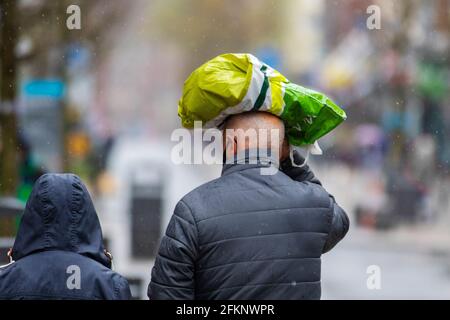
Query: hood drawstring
pixel 9 254
pixel 11 261
pixel 110 257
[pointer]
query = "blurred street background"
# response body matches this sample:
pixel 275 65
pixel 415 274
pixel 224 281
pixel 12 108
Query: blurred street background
pixel 101 101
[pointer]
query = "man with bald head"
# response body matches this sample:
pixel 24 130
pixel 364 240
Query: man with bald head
pixel 256 232
pixel 253 134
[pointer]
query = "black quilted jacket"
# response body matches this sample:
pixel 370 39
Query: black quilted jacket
pixel 249 236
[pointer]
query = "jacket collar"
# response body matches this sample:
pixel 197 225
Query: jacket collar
pixel 248 159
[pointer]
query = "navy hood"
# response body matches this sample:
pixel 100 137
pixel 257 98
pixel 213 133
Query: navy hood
pixel 60 215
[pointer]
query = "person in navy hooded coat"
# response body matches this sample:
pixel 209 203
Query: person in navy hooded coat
pixel 58 251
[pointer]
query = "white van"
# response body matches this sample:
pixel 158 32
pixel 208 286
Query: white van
pixel 142 187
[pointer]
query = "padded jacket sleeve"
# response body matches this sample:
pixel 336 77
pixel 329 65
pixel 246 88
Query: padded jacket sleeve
pixel 339 226
pixel 339 222
pixel 174 269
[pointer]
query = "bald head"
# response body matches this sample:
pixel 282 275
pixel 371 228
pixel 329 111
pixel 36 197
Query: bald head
pixel 254 130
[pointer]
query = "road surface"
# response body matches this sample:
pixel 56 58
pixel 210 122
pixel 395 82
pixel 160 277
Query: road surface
pixel 407 272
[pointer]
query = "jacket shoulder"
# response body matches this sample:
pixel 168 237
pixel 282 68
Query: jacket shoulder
pixel 121 287
pixel 192 199
pixel 65 275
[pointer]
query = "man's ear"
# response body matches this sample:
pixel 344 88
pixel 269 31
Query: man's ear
pixel 284 150
pixel 230 146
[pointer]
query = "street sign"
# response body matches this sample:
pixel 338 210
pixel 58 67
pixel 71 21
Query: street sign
pixel 44 88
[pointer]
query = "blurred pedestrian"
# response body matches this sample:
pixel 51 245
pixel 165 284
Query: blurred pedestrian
pixel 58 252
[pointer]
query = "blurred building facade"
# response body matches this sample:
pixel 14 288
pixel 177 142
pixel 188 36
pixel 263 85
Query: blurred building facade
pixel 71 100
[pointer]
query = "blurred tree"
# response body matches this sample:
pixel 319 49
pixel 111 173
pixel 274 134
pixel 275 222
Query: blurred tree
pixel 8 132
pixel 38 40
pixel 206 28
pixel 97 22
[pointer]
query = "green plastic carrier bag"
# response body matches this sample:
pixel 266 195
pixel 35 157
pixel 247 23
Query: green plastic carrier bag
pixel 235 83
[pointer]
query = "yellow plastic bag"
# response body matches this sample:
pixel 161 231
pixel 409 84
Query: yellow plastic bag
pixel 235 83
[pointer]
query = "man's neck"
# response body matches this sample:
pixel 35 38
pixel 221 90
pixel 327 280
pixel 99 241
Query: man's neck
pixel 254 156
